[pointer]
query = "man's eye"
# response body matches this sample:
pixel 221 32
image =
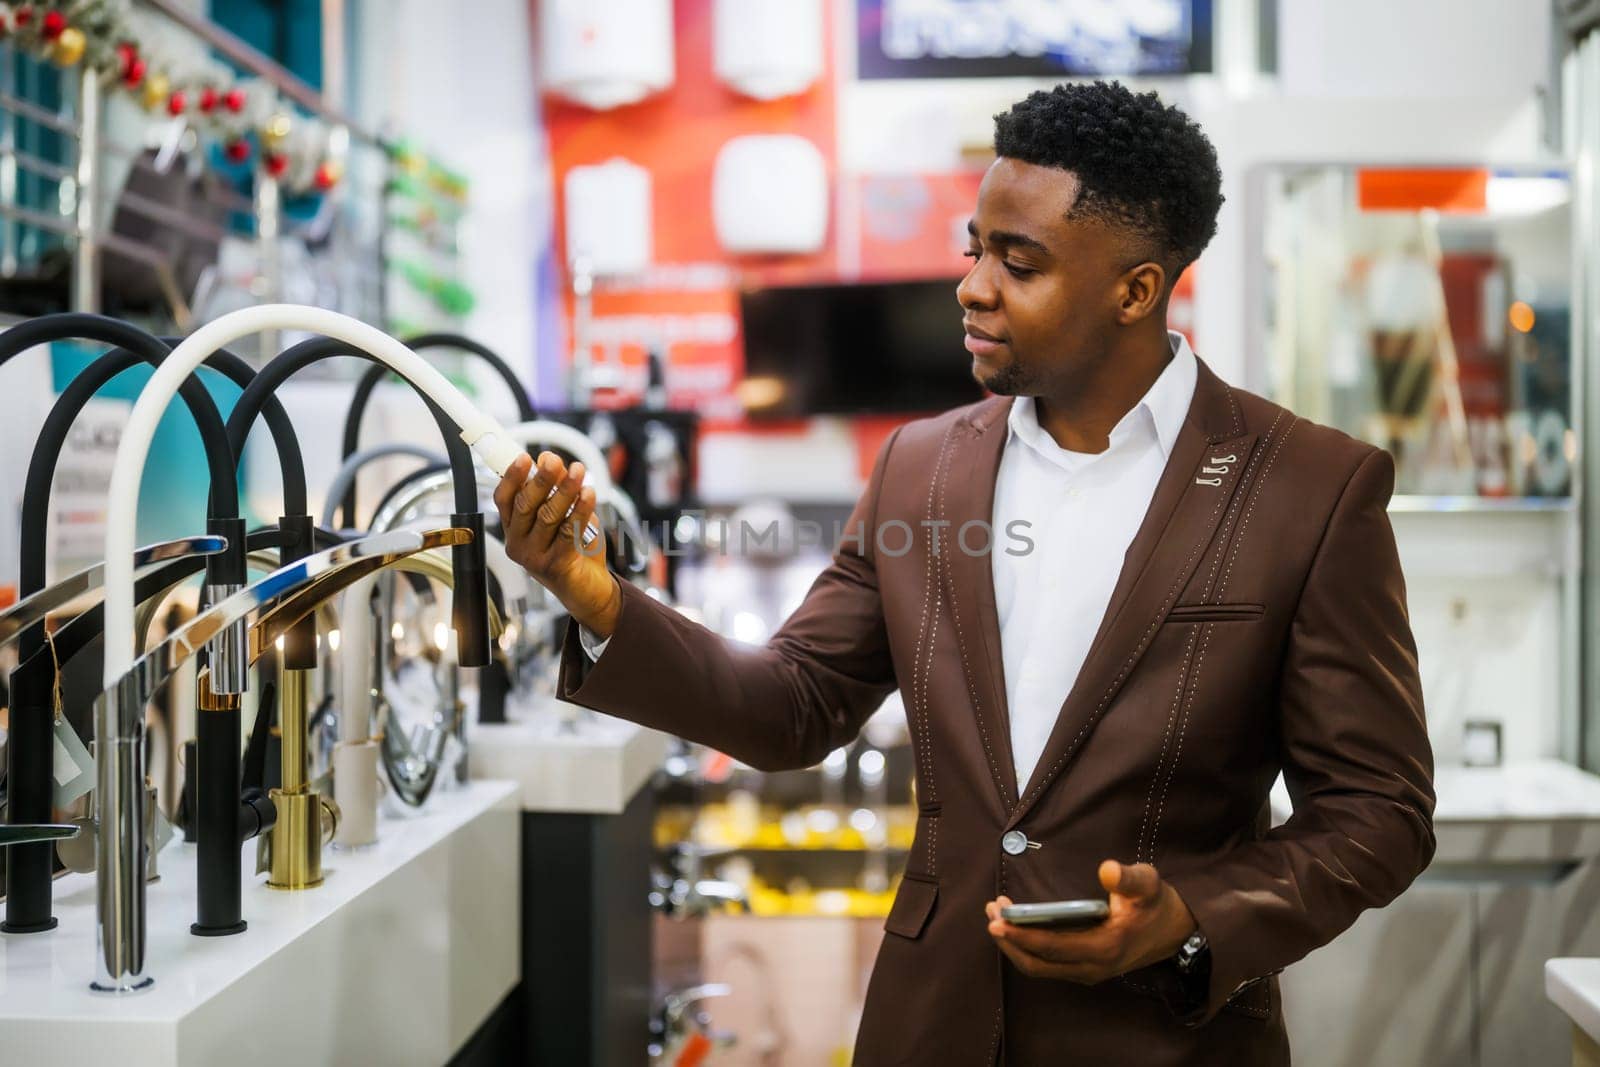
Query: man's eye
pixel 1019 272
pixel 972 254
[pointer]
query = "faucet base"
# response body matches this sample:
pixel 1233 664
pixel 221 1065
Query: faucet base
pixel 130 985
pixel 296 841
pixel 28 928
pixel 218 931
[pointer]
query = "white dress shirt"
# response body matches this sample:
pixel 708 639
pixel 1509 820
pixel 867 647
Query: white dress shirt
pixel 1082 510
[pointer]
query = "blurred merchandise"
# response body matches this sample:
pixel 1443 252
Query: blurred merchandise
pixel 1428 311
pixel 769 196
pixel 768 49
pixel 605 55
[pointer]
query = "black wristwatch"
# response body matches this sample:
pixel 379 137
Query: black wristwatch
pixel 1193 964
pixel 1194 953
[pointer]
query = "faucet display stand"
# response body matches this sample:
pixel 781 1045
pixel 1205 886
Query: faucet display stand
pixel 420 919
pixel 588 816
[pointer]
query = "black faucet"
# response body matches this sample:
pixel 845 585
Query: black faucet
pixel 38 673
pixel 29 751
pixel 469 608
pixel 369 380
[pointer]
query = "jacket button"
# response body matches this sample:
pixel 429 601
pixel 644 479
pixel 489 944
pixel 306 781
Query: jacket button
pixel 1015 842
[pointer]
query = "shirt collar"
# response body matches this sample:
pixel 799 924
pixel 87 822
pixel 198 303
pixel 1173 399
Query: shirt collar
pixel 1162 408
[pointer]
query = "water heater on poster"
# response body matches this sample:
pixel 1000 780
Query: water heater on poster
pixel 605 55
pixel 608 216
pixel 768 48
pixel 769 195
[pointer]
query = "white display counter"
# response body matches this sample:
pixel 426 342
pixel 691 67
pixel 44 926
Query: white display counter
pixel 397 958
pixel 595 767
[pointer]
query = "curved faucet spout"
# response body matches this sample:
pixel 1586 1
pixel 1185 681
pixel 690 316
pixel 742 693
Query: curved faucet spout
pixel 272 605
pixel 32 609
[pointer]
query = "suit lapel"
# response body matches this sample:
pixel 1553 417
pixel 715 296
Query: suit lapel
pixel 964 492
pixel 1191 497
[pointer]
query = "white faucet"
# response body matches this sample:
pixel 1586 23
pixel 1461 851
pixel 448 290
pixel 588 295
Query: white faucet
pixel 119 723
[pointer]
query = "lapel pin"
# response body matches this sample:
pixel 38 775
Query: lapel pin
pixel 1218 465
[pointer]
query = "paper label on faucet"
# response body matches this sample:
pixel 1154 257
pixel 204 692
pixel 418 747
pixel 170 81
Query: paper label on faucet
pixel 72 766
pixel 76 529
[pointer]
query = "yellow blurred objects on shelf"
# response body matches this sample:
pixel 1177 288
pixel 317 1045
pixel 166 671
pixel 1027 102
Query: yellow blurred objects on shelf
pixel 769 901
pixel 810 828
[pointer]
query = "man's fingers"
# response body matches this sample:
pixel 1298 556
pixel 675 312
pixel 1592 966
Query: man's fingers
pixel 1138 880
pixel 552 514
pixel 578 524
pixel 505 493
pixel 1060 946
pixel 1035 967
pixel 548 469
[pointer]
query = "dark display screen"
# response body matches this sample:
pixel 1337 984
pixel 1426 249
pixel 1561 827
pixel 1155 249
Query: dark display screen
pixel 855 349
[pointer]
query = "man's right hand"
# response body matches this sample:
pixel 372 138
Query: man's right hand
pixel 542 517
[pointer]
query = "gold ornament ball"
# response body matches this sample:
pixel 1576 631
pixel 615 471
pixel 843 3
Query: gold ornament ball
pixel 155 91
pixel 68 49
pixel 276 130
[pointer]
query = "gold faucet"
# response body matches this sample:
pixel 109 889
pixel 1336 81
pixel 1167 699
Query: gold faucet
pixel 306 819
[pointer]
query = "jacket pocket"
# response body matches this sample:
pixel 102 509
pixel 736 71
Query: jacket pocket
pixel 913 903
pixel 1216 613
pixel 1254 999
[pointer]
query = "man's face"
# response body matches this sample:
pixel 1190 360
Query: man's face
pixel 1043 296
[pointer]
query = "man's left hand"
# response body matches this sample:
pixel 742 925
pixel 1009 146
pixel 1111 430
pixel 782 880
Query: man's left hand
pixel 1149 922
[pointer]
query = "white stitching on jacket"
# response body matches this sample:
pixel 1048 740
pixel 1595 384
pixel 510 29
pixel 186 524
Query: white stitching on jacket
pixel 966 670
pixel 1166 738
pixel 1183 726
pixel 922 664
pixel 1255 495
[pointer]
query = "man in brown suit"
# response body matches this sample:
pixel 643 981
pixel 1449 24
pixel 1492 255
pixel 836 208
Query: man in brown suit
pixel 1227 606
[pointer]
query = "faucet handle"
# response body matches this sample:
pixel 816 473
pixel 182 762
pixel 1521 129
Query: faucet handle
pixel 329 819
pixel 28 833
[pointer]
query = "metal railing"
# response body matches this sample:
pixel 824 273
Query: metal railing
pixel 74 206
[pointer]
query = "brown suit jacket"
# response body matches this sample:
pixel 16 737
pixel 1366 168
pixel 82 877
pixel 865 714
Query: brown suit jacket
pixel 1259 624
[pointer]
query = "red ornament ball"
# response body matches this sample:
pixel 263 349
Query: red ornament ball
pixel 233 100
pixel 54 22
pixel 208 99
pixel 23 15
pixel 135 73
pixel 327 177
pixel 276 164
pixel 176 102
pixel 237 151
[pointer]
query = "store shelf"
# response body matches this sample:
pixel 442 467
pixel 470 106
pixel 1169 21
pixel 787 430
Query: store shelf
pixel 800 850
pixel 397 958
pixel 1413 504
pixel 596 768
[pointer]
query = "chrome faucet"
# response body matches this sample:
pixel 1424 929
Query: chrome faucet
pixel 120 709
pixel 269 607
pixel 673 1027
pixel 681 893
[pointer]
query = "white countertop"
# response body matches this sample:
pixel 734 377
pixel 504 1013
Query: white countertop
pixel 1539 790
pixel 1536 811
pixel 397 958
pixel 595 767
pixel 1573 985
pixel 1536 789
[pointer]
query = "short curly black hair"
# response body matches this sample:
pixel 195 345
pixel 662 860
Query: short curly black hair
pixel 1141 164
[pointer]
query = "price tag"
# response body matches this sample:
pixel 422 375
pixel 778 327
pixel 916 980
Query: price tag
pixel 72 767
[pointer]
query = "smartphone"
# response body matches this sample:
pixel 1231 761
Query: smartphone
pixel 1058 914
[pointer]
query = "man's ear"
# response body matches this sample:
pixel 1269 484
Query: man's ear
pixel 1142 291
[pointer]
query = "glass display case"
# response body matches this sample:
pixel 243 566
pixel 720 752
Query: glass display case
pixel 1427 310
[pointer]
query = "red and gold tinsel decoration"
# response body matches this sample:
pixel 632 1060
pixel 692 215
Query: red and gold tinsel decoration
pixel 240 115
